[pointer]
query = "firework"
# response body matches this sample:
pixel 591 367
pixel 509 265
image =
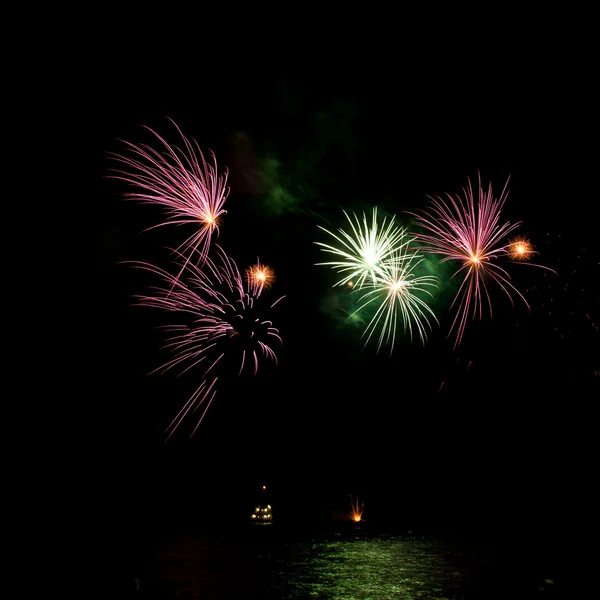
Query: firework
pixel 227 325
pixel 260 277
pixel 520 248
pixel 468 229
pixel 396 292
pixel 183 183
pixel 363 253
pixel 356 510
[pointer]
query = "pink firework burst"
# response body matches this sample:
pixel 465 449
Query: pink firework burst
pixel 467 229
pixel 226 325
pixel 182 182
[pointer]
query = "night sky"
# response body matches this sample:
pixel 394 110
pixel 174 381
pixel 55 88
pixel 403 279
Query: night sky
pixel 507 441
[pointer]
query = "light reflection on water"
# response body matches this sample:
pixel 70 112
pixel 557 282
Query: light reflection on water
pixel 365 568
pixel 328 568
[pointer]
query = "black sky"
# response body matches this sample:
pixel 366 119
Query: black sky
pixel 508 439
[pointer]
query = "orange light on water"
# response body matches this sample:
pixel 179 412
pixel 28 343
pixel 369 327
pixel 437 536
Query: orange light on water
pixel 356 510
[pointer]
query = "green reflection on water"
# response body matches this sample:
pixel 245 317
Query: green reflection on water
pixel 363 569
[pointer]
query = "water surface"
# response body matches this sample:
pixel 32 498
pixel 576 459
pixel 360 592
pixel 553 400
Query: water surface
pixel 329 567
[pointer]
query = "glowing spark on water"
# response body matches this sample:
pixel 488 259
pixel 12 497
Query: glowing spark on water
pixel 356 510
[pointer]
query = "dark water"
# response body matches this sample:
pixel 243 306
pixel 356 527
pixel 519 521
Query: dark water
pixel 334 566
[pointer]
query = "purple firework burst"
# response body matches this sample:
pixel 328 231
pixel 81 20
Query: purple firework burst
pixel 227 326
pixel 468 229
pixel 182 182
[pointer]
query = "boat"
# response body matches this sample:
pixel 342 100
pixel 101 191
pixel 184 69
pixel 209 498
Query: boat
pixel 263 513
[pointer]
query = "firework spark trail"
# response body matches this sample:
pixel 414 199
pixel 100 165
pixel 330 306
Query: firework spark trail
pixel 225 323
pixel 468 229
pixel 181 182
pixel 395 290
pixel 365 251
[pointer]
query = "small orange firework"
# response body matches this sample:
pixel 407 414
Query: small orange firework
pixel 260 276
pixel 520 249
pixel 356 510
